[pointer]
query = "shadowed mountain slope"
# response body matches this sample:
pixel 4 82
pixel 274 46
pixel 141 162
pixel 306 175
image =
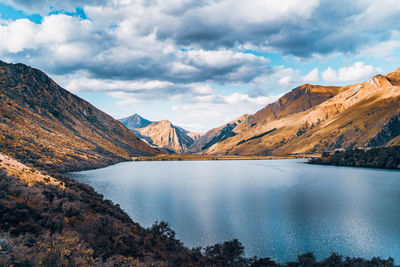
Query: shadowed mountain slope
pixel 135 122
pixel 47 126
pixel 216 135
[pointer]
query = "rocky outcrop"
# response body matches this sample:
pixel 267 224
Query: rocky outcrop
pixel 164 135
pixel 389 131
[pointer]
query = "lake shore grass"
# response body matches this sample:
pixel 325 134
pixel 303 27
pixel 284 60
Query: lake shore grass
pixel 196 157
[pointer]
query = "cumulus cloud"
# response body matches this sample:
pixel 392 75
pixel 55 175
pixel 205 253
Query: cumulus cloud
pixel 312 76
pixel 190 40
pixel 300 28
pixel 354 73
pixel 296 27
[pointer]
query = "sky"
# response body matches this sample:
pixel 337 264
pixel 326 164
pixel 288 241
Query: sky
pixel 199 63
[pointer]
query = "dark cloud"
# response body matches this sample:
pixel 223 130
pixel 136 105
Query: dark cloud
pixel 331 26
pixel 299 28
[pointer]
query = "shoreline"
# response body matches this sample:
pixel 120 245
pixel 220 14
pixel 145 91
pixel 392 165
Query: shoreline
pixel 195 157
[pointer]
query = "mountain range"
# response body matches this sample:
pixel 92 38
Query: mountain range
pixel 50 126
pixel 308 119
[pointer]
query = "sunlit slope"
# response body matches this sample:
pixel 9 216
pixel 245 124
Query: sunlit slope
pixel 164 135
pixel 44 124
pixel 359 115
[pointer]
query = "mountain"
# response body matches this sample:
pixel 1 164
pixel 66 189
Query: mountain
pixel 135 122
pixel 194 136
pixel 163 134
pixel 45 125
pixel 216 135
pixel 314 118
pixel 298 100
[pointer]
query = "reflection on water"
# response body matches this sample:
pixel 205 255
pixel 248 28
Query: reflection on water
pixel 276 208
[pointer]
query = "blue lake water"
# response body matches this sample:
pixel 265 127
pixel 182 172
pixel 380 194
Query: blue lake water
pixel 276 208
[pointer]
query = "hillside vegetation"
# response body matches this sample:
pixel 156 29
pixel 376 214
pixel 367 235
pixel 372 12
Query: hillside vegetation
pixel 379 157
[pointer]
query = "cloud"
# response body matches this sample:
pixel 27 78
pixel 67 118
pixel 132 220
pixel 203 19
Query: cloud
pixel 330 75
pixel 293 27
pixel 43 7
pixel 191 40
pixel 60 43
pixel 312 76
pixel 383 49
pixel 354 73
pixel 63 44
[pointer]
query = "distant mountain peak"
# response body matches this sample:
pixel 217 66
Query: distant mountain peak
pixel 135 121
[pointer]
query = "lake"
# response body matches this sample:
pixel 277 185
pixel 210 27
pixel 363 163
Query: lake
pixel 276 208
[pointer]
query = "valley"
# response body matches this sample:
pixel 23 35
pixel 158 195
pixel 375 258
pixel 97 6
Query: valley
pixel 218 133
pixel 47 131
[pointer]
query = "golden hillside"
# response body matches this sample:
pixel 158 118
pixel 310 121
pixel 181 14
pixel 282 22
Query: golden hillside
pixel 45 125
pixel 313 119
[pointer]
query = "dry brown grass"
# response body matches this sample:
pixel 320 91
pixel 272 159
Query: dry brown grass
pixel 27 174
